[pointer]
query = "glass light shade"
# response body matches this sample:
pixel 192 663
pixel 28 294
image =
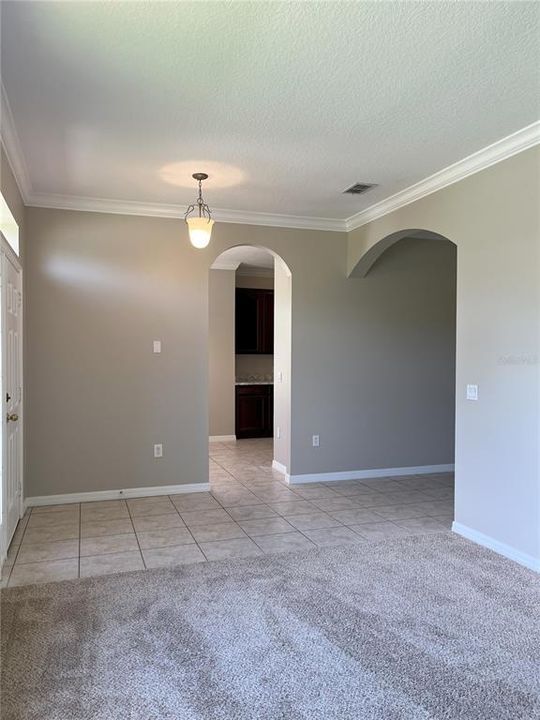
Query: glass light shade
pixel 200 229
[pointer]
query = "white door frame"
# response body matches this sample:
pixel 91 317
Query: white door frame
pixel 7 254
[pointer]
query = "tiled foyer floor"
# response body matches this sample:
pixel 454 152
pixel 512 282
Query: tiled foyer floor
pixel 249 511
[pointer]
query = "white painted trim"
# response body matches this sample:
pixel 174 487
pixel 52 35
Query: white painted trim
pixel 8 255
pixel 222 438
pixel 115 494
pixel 279 467
pixel 222 265
pixel 500 150
pixel 13 149
pixel 367 474
pixel 503 149
pixel 501 548
pixel 164 210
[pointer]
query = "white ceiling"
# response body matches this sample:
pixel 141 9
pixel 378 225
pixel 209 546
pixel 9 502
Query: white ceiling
pixel 284 104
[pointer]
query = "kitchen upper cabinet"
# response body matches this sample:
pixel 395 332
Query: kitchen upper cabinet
pixel 254 321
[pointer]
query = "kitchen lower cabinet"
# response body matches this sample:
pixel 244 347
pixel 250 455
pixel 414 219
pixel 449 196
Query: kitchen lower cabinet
pixel 254 411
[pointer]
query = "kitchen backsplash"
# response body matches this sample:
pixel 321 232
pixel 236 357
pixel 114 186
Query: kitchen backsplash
pixel 254 368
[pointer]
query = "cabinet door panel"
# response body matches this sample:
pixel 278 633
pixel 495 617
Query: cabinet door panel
pixel 254 412
pixel 254 321
pixel 247 313
pixel 251 413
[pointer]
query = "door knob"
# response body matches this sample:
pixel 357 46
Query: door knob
pixel 13 417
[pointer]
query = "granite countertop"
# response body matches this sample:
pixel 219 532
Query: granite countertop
pixel 254 382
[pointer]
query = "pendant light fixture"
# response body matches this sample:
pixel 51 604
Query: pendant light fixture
pixel 200 224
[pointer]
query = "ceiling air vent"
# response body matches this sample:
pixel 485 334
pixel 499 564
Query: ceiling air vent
pixel 359 188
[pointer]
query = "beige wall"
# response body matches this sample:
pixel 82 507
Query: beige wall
pixel 101 287
pixel 254 281
pixel 221 356
pixel 493 217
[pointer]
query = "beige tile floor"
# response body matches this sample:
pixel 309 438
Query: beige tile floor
pixel 249 511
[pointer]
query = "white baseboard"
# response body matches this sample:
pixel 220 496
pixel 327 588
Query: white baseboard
pixel 502 548
pixel 279 467
pixel 222 438
pixel 367 474
pixel 115 494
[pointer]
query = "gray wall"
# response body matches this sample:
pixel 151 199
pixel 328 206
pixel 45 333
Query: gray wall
pixel 375 378
pixel 100 288
pixel 254 281
pixel 221 365
pixel 493 217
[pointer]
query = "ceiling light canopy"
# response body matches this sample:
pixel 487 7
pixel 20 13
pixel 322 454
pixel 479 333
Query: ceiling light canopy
pixel 200 223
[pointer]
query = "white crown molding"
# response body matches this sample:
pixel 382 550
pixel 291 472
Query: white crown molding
pixel 12 147
pixel 503 149
pixel 496 152
pixel 133 207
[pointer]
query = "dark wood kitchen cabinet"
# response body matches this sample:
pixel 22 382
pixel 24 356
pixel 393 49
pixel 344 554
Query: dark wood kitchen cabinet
pixel 254 330
pixel 254 411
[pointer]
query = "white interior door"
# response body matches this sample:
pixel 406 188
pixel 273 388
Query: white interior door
pixel 12 391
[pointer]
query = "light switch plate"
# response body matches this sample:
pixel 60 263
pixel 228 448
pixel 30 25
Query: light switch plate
pixel 157 346
pixel 472 392
pixel 158 450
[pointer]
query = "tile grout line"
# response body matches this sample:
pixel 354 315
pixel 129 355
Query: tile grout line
pixel 188 529
pixel 136 536
pixel 253 539
pixel 262 476
pixel 18 548
pixel 195 540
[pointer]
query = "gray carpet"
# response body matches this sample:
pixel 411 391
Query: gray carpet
pixel 410 629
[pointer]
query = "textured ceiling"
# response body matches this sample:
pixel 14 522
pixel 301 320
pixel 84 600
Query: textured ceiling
pixel 285 104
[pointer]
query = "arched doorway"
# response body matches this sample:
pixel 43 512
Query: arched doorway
pixel 377 248
pixel 250 354
pixel 415 316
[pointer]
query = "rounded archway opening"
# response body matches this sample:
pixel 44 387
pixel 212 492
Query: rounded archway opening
pixel 410 278
pixel 249 362
pixel 378 248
